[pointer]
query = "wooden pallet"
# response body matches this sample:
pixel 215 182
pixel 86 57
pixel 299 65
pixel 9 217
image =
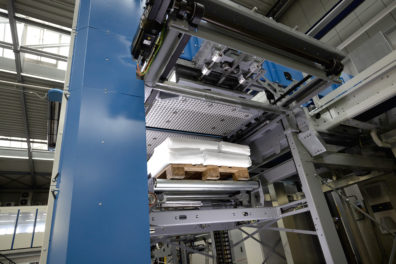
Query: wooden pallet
pixel 201 172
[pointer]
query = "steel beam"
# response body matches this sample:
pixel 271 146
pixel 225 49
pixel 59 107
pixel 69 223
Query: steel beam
pixel 347 227
pixel 36 23
pixel 368 25
pixel 292 244
pixel 241 41
pixel 14 153
pixel 28 50
pixel 262 243
pixel 366 90
pixel 321 28
pixel 18 67
pixel 311 185
pixel 352 179
pixel 13 179
pixel 27 255
pixel 189 229
pixel 200 217
pixel 291 230
pixel 355 161
pixel 280 172
pixel 265 225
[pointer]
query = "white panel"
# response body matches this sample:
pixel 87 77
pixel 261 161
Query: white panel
pixel 254 252
pixel 24 231
pixel 239 252
pixel 334 41
pixel 356 43
pixel 370 52
pixel 40 227
pixel 43 71
pixel 365 14
pixel 392 38
pixel 313 10
pixel 349 28
pixel 295 17
pixel 200 259
pixel 384 25
pixel 7 226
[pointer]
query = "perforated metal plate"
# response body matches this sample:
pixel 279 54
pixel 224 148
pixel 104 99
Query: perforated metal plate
pixel 188 114
pixel 154 138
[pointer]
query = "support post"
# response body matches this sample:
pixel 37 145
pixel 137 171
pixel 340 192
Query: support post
pixel 100 205
pixel 327 234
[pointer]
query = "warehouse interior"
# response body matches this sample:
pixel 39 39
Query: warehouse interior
pixel 197 131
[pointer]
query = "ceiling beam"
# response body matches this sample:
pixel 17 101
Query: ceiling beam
pixel 15 179
pixel 61 30
pixel 28 50
pixel 18 67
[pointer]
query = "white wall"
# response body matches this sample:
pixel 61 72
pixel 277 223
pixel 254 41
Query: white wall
pixel 305 13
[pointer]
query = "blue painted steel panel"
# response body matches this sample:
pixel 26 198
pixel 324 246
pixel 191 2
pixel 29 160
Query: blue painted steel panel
pixel 101 210
pixel 276 73
pixel 114 17
pixel 192 47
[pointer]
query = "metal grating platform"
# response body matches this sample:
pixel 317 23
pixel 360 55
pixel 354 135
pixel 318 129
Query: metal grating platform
pixel 188 114
pixel 154 138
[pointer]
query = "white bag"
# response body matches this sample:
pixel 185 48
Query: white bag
pixel 226 159
pixel 227 147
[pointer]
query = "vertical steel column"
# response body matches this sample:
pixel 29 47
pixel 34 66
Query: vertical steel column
pixel 327 234
pixel 100 210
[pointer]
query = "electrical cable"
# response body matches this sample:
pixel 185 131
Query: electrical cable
pixel 158 44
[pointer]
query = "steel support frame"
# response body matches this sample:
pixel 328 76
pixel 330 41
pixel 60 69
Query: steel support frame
pixel 174 88
pixel 39 24
pixel 369 88
pixel 311 185
pixel 202 217
pixel 355 161
pixel 236 41
pixel 25 49
pixel 171 223
pixel 102 163
pixel 18 68
pixel 261 243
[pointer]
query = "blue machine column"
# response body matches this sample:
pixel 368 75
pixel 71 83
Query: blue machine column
pixel 101 209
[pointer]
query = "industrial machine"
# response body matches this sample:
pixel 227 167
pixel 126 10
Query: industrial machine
pixel 224 53
pixel 214 69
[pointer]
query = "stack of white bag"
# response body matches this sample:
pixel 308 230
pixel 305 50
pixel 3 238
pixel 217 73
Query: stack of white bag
pixel 196 151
